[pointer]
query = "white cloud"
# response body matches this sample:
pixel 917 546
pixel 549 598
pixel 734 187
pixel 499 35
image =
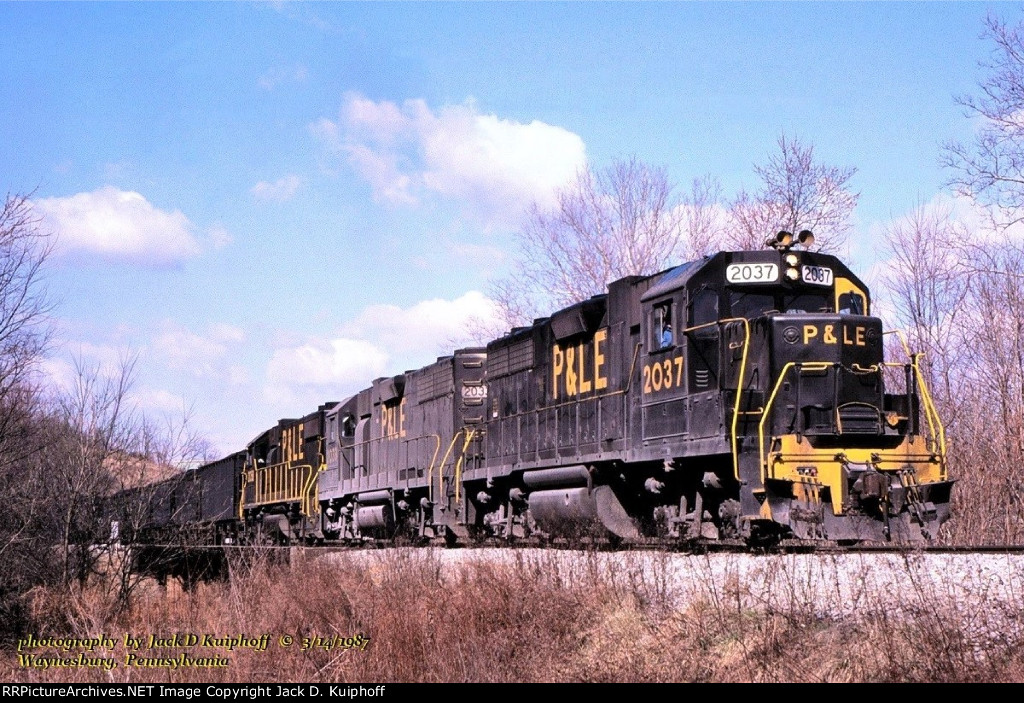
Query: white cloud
pixel 227 333
pixel 925 240
pixel 120 226
pixel 430 325
pixel 199 355
pixel 382 340
pixel 78 361
pixel 972 219
pixel 481 258
pixel 384 174
pixel 495 166
pixel 280 190
pixel 977 220
pixel 306 375
pixel 206 369
pixel 159 401
pixel 58 374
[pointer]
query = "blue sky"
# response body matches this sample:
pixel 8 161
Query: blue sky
pixel 270 204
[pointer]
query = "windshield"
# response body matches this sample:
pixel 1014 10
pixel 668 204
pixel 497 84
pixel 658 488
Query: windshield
pixel 750 305
pixel 806 302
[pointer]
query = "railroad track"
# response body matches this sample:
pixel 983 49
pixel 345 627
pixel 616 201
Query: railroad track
pixel 720 546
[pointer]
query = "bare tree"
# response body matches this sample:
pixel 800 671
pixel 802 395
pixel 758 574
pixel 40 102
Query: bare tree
pixel 147 456
pixel 24 333
pixel 618 221
pixel 627 219
pixel 988 433
pixel 990 168
pixel 796 193
pixel 705 220
pixel 998 318
pixel 963 305
pixel 63 454
pixel 24 321
pixel 102 461
pixel 94 428
pixel 927 280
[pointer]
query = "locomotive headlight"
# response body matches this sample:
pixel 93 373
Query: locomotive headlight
pixel 793 274
pixel 792 259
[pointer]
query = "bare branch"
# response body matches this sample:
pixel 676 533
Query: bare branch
pixel 796 193
pixel 619 221
pixel 990 168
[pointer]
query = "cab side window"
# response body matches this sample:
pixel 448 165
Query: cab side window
pixel 704 308
pixel 348 427
pixel 661 326
pixel 851 304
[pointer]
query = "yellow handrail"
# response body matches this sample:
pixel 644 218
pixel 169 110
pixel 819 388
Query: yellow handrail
pixel 458 465
pixel 405 440
pixel 930 414
pixel 282 482
pixel 821 366
pixel 576 400
pixel 765 414
pixel 440 468
pixel 935 425
pixel 734 431
pixel 430 469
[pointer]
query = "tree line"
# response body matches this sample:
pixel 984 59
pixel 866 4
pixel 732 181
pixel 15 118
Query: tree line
pixel 64 450
pixel 629 218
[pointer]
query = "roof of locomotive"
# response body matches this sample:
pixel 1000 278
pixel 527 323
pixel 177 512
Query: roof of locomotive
pixel 715 264
pixel 672 279
pixel 675 278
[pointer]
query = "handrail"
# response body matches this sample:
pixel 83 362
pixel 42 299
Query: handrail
pixel 291 481
pixel 813 366
pixel 279 474
pixel 458 464
pixel 314 478
pixel 734 431
pixel 930 414
pixel 469 434
pixel 406 440
pixel 935 425
pixel 430 469
pixel 576 400
pixel 823 365
pixel 440 470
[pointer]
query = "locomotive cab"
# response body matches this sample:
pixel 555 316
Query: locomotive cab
pixel 765 387
pixel 398 453
pixel 279 482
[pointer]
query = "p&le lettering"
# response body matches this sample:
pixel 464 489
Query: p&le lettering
pixel 851 337
pixel 579 369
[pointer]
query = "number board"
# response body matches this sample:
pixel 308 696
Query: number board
pixel 817 275
pixel 474 391
pixel 752 273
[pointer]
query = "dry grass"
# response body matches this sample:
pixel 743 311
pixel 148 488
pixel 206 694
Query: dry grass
pixel 554 617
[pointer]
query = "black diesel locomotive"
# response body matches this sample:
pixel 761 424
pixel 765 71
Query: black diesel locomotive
pixel 741 396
